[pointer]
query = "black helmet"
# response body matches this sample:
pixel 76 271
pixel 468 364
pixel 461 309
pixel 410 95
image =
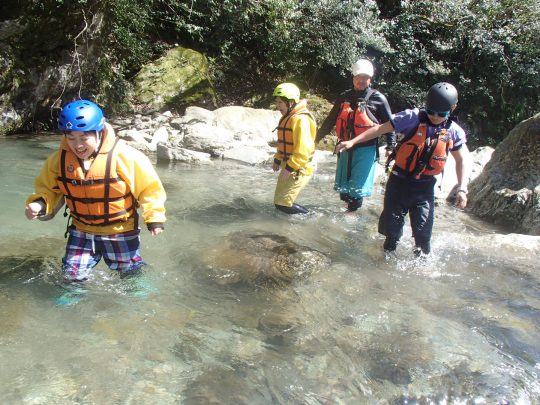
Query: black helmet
pixel 441 97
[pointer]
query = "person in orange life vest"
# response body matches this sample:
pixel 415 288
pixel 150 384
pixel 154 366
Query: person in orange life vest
pixel 355 111
pixel 295 147
pixel 429 134
pixel 102 181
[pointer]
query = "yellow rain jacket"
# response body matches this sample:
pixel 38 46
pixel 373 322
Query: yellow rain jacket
pixel 103 200
pixel 296 139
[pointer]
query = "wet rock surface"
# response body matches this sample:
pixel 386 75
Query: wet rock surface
pixel 262 260
pixel 508 190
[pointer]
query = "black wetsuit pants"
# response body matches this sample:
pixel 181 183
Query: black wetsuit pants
pixel 408 196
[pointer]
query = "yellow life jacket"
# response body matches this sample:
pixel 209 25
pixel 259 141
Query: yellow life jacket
pixel 351 123
pixel 285 143
pixel 421 155
pixel 99 196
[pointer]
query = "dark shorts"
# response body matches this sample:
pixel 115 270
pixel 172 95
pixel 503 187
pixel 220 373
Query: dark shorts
pixel 121 252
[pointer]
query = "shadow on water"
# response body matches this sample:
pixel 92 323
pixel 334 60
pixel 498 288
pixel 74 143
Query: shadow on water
pixel 239 209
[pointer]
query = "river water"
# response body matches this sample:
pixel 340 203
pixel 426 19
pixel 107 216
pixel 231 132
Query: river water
pixel 461 327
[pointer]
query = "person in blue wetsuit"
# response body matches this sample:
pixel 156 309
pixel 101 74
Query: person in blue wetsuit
pixel 355 111
pixel 430 134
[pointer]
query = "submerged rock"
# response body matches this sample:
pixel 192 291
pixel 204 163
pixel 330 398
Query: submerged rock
pixel 260 259
pixel 220 385
pixel 239 209
pixel 22 268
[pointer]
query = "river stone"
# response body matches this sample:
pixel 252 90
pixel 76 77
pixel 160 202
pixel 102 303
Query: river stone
pixel 182 155
pixel 262 260
pixel 220 385
pixel 177 79
pixel 250 122
pixel 279 328
pixel 508 190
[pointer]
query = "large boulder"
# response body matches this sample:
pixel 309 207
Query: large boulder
pixel 508 190
pixel 237 133
pixel 446 186
pixel 262 260
pixel 177 79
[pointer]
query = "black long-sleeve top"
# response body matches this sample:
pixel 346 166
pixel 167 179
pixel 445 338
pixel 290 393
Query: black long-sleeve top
pixel 377 105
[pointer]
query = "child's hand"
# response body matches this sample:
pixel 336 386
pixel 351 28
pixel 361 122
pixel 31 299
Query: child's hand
pixel 461 200
pixel 34 209
pixel 156 231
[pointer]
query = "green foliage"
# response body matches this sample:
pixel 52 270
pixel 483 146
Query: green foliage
pixel 131 25
pixel 336 33
pixel 255 44
pixel 247 40
pixel 488 48
pixel 104 43
pixel 128 47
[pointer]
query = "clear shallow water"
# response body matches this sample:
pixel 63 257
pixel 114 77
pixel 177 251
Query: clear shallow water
pixel 462 327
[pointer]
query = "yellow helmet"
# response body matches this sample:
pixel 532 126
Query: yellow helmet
pixel 288 90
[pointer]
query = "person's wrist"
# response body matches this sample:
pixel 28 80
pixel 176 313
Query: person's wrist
pixel 155 225
pixel 42 207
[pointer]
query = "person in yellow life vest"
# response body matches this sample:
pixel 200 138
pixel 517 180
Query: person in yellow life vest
pixel 355 111
pixel 430 135
pixel 102 181
pixel 295 147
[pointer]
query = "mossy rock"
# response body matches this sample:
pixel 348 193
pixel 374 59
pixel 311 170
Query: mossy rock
pixel 176 80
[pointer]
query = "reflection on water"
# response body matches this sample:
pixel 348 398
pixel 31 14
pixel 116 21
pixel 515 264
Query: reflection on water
pixel 199 326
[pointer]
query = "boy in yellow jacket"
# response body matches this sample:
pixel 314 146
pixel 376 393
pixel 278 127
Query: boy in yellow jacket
pixel 102 181
pixel 295 148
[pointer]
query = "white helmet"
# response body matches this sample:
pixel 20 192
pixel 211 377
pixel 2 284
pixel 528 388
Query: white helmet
pixel 362 67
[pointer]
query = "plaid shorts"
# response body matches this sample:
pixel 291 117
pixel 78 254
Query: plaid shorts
pixel 84 250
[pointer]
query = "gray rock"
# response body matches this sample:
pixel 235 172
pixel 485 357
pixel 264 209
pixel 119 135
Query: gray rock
pixel 194 115
pixel 508 190
pixel 181 155
pixel 132 135
pixel 160 135
pixel 237 133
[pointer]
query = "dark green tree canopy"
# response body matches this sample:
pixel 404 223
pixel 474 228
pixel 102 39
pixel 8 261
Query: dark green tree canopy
pixel 488 48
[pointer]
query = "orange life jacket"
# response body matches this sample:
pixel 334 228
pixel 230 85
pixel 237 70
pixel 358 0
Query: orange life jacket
pixel 421 155
pixel 285 143
pixel 99 196
pixel 351 123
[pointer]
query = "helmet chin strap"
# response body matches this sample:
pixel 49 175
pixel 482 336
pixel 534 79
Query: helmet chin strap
pixel 99 138
pixel 290 105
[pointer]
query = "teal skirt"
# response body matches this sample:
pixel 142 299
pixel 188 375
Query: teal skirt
pixel 355 172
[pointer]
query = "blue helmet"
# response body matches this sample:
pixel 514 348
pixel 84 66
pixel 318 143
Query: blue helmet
pixel 81 115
